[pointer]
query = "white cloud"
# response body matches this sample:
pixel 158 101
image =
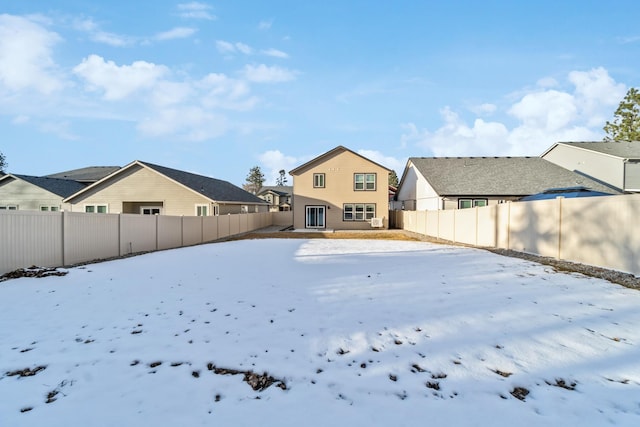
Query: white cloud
pixel 274 161
pixel 226 47
pixel 265 74
pixel 176 33
pixel 265 25
pixel 543 116
pixel 386 161
pixel 220 91
pixel 196 10
pixel 484 109
pixel 186 123
pixel 275 53
pixel 244 48
pixel 118 82
pixel 61 129
pixel 111 39
pixel 26 56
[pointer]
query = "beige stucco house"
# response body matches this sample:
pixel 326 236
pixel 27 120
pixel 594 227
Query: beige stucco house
pixel 279 197
pixel 145 188
pixel 340 190
pixel 33 193
pixel 435 183
pixel 616 163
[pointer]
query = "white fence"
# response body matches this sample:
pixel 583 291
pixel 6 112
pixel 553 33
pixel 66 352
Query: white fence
pixel 600 231
pixel 52 239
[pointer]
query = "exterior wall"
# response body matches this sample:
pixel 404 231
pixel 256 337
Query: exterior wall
pixel 453 202
pixel 599 166
pixel 339 171
pixel 416 193
pixel 28 197
pixel 140 186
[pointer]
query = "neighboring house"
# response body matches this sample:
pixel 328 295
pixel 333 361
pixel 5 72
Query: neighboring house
pixel 24 192
pixel 87 175
pixel 615 163
pixel 433 183
pixel 340 190
pixel 279 197
pixel 145 188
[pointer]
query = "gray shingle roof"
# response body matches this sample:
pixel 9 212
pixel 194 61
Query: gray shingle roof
pixel 498 176
pixel 622 149
pixel 215 189
pixel 88 174
pixel 61 187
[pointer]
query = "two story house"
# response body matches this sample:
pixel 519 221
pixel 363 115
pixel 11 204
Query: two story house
pixel 340 190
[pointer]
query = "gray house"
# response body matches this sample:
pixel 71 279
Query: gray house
pixel 25 192
pixel 616 163
pixel 433 183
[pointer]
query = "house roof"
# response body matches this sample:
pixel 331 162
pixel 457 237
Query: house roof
pixel 280 190
pixel 567 193
pixel 622 149
pixel 328 154
pixel 215 189
pixel 88 174
pixel 60 187
pixel 498 176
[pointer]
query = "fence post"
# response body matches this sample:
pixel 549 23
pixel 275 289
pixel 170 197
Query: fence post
pixel 560 226
pixel 62 234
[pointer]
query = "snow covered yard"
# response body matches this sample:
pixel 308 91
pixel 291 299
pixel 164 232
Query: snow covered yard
pixel 350 332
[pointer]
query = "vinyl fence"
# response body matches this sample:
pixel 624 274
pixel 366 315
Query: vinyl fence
pixel 52 239
pixel 600 231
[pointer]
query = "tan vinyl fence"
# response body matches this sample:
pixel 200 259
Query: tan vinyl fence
pixel 53 239
pixel 599 231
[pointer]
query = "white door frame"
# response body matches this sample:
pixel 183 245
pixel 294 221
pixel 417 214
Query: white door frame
pixel 315 217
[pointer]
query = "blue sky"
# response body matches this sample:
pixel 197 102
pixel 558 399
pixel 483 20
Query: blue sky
pixel 220 86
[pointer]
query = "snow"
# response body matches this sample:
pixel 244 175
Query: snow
pixel 362 332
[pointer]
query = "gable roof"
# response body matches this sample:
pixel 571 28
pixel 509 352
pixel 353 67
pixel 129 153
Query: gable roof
pixel 60 187
pixel 498 176
pixel 216 190
pixel 280 190
pixel 339 149
pixel 88 174
pixel 621 149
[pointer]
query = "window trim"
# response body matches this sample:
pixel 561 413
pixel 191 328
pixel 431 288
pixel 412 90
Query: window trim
pixel 473 202
pixel 200 207
pixel 365 181
pixel 9 207
pixel 151 207
pixel 358 212
pixel 96 207
pixel 319 177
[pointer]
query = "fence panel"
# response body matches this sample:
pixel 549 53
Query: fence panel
pixel 602 231
pixel 210 228
pixel 169 232
pixel 89 237
pixel 535 227
pixel 234 224
pixel 30 238
pixel 446 225
pixel 137 233
pixel 487 221
pixel 191 230
pixel 465 225
pixel 224 227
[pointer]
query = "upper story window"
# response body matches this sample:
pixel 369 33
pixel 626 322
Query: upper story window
pixel 318 180
pixel 364 182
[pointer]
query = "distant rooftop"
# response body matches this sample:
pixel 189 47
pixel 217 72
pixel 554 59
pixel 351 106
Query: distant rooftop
pixel 88 175
pixel 622 149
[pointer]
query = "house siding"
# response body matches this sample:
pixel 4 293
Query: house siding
pixel 599 166
pixel 28 197
pixel 141 186
pixel 339 170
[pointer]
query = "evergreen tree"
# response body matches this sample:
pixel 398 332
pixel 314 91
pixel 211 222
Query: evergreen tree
pixel 282 179
pixel 3 162
pixel 255 179
pixel 393 179
pixel 626 122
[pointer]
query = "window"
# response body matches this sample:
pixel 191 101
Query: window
pixel 95 208
pixel 8 207
pixel 244 209
pixel 216 210
pixel 358 211
pixel 471 203
pixel 364 182
pixel 202 210
pixel 318 180
pixel 315 216
pixel 150 210
pixel 44 208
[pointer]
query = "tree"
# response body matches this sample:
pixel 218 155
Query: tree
pixel 282 179
pixel 3 162
pixel 255 179
pixel 626 124
pixel 393 179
